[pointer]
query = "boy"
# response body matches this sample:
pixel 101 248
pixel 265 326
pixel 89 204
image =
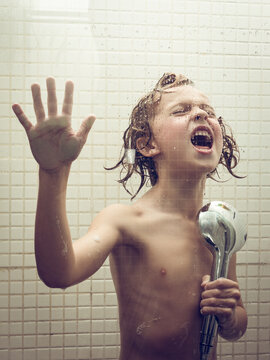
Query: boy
pixel 158 260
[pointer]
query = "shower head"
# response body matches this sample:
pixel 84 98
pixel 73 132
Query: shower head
pixel 225 233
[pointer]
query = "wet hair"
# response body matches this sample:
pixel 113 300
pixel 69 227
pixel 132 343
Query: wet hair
pixel 139 127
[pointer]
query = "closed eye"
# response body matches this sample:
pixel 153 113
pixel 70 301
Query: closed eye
pixel 210 111
pixel 181 111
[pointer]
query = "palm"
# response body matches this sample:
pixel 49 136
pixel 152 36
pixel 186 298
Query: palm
pixel 52 140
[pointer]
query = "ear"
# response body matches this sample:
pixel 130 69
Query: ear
pixel 147 148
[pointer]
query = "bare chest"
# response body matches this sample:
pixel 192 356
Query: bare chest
pixel 164 253
pixel 161 269
pixel 158 275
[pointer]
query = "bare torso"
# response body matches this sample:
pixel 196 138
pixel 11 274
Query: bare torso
pixel 157 274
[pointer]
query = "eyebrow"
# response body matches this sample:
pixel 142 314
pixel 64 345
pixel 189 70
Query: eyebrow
pixel 208 107
pixel 202 106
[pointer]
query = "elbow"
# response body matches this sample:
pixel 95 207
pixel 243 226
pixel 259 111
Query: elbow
pixel 53 282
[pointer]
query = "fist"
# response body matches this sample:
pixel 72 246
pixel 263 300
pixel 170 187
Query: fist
pixel 220 298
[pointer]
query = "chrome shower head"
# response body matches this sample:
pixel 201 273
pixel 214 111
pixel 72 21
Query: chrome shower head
pixel 225 233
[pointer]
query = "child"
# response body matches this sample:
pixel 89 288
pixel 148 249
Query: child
pixel 158 260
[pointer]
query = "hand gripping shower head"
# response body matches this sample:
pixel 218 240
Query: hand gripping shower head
pixel 225 233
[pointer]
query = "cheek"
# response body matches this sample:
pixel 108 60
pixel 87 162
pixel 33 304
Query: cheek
pixel 170 134
pixel 173 138
pixel 174 129
pixel 219 139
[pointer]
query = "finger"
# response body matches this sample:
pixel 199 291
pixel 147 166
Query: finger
pixel 86 127
pixel 221 283
pixel 205 280
pixel 38 106
pixel 211 293
pixel 214 302
pixel 52 100
pixel 218 311
pixel 222 293
pixel 22 117
pixel 68 99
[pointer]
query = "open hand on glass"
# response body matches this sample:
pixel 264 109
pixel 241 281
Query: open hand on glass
pixel 52 140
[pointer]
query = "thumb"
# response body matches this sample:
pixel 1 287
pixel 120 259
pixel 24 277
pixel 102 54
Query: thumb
pixel 205 280
pixel 86 126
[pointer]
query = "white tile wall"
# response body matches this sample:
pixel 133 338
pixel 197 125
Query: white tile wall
pixel 114 51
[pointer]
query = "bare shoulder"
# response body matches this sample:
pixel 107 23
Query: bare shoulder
pixel 116 216
pixel 118 212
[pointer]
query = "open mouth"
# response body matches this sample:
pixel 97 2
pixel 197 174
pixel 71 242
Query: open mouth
pixel 202 139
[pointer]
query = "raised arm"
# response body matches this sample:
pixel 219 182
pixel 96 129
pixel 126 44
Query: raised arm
pixel 54 145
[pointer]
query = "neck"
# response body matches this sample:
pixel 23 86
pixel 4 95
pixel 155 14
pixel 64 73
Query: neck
pixel 179 195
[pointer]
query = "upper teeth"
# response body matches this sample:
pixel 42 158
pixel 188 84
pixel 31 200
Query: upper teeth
pixel 201 133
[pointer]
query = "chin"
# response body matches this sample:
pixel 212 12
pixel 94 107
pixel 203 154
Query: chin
pixel 199 168
pixel 201 174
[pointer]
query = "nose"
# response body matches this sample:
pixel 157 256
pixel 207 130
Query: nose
pixel 200 115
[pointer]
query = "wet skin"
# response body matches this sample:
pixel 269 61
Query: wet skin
pixel 156 253
pixel 157 274
pixel 158 269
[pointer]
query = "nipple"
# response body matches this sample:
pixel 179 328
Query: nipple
pixel 163 271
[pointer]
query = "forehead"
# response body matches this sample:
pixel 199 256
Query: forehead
pixel 185 94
